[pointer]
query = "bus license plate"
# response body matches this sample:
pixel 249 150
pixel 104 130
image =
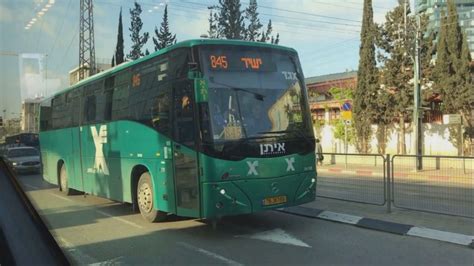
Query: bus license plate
pixel 274 200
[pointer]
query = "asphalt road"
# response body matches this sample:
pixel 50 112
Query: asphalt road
pixel 95 230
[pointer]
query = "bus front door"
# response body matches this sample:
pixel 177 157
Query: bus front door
pixel 184 155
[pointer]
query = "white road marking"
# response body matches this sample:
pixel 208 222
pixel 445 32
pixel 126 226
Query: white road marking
pixel 210 254
pixel 441 235
pixel 120 219
pixel 79 256
pixel 30 186
pixel 113 261
pixel 61 197
pixel 339 217
pixel 278 236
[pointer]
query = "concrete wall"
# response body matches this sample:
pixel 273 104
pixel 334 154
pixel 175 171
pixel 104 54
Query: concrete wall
pixel 436 140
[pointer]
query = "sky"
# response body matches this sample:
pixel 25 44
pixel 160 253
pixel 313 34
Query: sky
pixel 324 32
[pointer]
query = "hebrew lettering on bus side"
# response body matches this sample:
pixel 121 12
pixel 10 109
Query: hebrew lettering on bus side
pixel 100 138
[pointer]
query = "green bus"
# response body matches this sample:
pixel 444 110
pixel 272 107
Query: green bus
pixel 204 128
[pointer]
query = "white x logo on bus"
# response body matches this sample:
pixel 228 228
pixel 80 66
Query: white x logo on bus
pixel 290 162
pixel 99 139
pixel 252 168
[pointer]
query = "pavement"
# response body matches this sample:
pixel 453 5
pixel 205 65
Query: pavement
pixel 95 230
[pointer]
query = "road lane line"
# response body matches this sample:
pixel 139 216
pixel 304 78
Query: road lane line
pixel 120 219
pixel 210 254
pixel 61 197
pixel 441 235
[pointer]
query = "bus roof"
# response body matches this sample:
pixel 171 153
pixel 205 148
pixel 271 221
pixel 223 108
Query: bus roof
pixel 188 43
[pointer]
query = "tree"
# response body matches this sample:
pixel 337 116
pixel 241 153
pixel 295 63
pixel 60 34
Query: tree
pixel 164 37
pixel 367 81
pixel 138 40
pixel 397 58
pixel 252 32
pixel 452 72
pixel 213 29
pixel 112 64
pixel 227 21
pixel 119 55
pixel 230 21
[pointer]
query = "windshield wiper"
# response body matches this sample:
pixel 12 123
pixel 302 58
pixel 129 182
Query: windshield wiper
pixel 301 134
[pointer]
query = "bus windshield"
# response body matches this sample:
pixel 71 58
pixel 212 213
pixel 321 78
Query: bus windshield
pixel 253 92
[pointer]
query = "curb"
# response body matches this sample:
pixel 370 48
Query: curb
pixel 383 226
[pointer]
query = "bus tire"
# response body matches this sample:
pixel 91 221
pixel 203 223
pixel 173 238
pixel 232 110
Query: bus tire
pixel 63 181
pixel 145 200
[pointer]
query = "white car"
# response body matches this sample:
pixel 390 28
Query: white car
pixel 23 159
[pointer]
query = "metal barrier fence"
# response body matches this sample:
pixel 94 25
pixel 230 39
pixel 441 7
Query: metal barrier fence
pixel 353 177
pixel 443 184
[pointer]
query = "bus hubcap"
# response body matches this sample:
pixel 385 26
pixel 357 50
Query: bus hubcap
pixel 145 197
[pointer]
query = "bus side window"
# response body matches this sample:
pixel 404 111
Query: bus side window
pixel 183 109
pixel 45 115
pixel 90 109
pixel 160 110
pixel 109 92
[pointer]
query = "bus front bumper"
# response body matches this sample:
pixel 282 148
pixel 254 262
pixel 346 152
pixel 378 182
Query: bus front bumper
pixel 254 195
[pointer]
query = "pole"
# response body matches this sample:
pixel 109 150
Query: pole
pixel 389 187
pixel 345 140
pixel 416 100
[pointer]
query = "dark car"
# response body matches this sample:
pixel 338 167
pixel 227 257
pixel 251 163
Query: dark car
pixel 23 159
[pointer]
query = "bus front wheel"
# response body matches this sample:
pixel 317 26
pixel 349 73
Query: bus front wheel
pixel 145 200
pixel 63 182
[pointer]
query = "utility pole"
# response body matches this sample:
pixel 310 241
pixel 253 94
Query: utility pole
pixel 416 100
pixel 86 39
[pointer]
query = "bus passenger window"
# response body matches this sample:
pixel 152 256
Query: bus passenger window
pixel 161 113
pixel 89 112
pixel 184 124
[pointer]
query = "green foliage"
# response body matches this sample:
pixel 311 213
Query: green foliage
pixel 339 131
pixel 367 80
pixel 164 37
pixel 341 94
pixel 119 56
pixel 252 32
pixel 230 20
pixel 227 21
pixel 138 40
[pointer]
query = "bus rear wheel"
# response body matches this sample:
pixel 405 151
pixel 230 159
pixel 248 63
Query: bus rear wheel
pixel 63 182
pixel 145 200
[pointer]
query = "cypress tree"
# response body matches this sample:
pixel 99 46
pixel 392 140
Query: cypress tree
pixel 119 55
pixel 212 32
pixel 398 68
pixel 367 81
pixel 112 64
pixel 252 32
pixel 164 37
pixel 230 20
pixel 138 40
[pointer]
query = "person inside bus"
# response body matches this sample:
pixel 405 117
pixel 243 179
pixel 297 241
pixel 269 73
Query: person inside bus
pixel 185 121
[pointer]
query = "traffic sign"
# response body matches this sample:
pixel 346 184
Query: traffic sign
pixel 451 119
pixel 346 115
pixel 346 106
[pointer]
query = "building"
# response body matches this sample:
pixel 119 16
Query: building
pixel 465 10
pixel 101 65
pixel 30 116
pixel 323 106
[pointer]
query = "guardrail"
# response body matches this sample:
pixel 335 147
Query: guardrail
pixel 444 184
pixel 353 177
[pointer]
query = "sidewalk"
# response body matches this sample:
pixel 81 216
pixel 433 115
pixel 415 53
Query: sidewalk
pixel 442 222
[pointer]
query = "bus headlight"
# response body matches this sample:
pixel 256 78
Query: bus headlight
pixel 14 163
pixel 222 191
pixel 313 180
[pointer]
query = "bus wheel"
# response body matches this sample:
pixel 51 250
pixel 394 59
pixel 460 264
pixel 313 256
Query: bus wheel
pixel 145 200
pixel 63 184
